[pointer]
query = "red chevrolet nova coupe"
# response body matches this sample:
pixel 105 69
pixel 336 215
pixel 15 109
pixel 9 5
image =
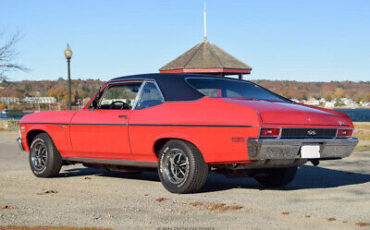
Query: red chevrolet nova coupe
pixel 187 125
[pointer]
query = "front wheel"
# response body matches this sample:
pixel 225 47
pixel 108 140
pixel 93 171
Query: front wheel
pixel 182 168
pixel 277 177
pixel 44 158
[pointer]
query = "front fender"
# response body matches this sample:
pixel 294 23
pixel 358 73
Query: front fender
pixel 31 129
pixel 58 133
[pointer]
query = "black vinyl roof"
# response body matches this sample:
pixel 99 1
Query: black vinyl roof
pixel 172 85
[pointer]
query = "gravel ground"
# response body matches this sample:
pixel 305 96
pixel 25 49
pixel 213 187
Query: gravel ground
pixel 334 195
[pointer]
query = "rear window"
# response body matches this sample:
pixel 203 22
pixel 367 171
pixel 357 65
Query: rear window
pixel 230 88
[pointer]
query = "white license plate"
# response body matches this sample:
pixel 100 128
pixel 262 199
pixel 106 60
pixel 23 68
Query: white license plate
pixel 310 151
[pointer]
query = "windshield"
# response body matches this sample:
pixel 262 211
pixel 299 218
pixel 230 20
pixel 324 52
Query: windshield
pixel 231 88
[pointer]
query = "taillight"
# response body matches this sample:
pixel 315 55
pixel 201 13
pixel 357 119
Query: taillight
pixel 344 133
pixel 270 132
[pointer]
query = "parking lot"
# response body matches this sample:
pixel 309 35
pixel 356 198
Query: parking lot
pixel 333 195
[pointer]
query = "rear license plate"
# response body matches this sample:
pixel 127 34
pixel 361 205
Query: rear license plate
pixel 310 151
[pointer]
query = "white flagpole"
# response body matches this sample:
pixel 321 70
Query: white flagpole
pixel 205 21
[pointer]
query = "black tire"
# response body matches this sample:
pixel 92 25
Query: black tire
pixel 277 177
pixel 44 158
pixel 195 171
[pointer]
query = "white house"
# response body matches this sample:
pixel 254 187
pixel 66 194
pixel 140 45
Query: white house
pixel 312 101
pixel 9 100
pixel 329 104
pixel 40 100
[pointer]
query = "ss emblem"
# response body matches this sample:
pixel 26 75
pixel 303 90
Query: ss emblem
pixel 311 132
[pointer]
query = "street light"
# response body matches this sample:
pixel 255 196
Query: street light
pixel 68 55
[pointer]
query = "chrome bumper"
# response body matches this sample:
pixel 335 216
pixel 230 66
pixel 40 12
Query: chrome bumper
pixel 265 149
pixel 19 140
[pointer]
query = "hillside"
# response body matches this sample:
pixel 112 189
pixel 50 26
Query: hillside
pixel 358 91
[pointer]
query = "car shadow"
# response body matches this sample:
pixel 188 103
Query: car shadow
pixel 141 175
pixel 308 177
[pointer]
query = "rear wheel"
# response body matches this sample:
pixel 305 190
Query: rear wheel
pixel 182 168
pixel 277 177
pixel 44 158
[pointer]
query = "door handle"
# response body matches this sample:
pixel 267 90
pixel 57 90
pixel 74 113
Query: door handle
pixel 122 116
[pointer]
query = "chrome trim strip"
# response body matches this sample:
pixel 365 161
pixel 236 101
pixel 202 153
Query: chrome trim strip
pixel 164 125
pixel 138 95
pixel 42 123
pixel 132 163
pixel 190 125
pixel 19 141
pixel 92 124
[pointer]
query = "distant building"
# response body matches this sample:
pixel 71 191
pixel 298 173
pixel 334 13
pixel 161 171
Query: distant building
pixel 365 104
pixel 348 102
pixel 9 100
pixel 329 104
pixel 40 100
pixel 312 101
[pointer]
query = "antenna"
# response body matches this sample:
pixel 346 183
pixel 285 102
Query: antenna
pixel 205 21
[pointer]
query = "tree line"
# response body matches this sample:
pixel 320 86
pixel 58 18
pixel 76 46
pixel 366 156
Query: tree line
pixel 81 89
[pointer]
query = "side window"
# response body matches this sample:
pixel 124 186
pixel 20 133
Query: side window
pixel 119 96
pixel 150 96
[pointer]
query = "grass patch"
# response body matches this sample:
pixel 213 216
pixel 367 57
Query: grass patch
pixel 2 129
pixel 362 224
pixel 362 148
pixel 362 130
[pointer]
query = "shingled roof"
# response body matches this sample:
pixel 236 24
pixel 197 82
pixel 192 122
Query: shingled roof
pixel 206 57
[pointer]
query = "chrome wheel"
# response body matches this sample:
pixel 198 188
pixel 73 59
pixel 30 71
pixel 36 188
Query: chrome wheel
pixel 176 166
pixel 39 156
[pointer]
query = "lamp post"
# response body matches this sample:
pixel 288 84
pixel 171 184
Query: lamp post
pixel 68 55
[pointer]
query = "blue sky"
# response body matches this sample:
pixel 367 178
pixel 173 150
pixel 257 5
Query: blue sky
pixel 311 40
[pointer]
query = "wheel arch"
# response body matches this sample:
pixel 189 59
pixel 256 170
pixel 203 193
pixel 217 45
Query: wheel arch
pixel 32 134
pixel 161 141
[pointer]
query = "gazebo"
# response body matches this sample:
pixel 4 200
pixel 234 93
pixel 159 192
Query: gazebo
pixel 207 58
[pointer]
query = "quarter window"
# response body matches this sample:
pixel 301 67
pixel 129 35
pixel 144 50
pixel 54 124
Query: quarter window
pixel 150 96
pixel 229 88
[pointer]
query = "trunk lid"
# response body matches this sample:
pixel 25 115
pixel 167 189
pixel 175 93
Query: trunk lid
pixel 281 113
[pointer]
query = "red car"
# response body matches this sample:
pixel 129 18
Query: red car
pixel 187 125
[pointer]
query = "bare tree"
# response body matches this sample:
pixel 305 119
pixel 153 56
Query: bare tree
pixel 7 55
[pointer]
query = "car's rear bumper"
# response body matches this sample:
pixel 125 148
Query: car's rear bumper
pixel 279 149
pixel 19 141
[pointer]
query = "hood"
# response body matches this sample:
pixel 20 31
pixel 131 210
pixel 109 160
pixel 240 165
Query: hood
pixel 282 113
pixel 64 116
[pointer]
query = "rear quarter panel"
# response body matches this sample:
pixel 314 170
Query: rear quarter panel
pixel 205 123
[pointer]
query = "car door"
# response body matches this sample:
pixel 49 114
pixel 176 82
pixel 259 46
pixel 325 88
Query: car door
pixel 102 132
pixel 142 125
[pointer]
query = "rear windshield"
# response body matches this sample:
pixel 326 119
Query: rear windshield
pixel 230 88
